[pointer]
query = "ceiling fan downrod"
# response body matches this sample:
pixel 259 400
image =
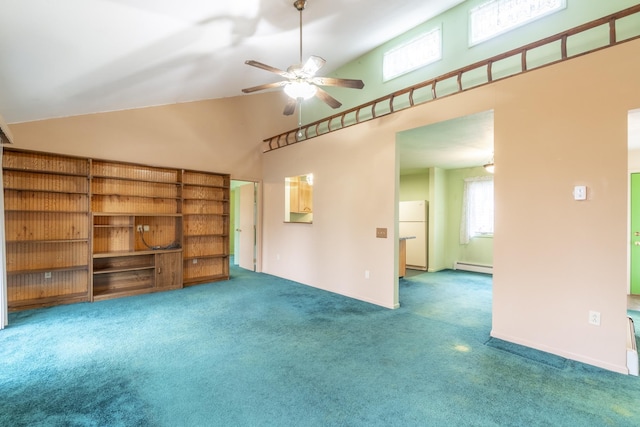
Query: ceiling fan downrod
pixel 300 4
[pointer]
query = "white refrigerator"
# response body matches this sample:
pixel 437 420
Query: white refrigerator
pixel 413 218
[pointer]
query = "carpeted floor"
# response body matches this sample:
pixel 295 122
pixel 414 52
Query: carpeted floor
pixel 262 351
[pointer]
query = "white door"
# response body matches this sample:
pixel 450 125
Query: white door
pixel 246 227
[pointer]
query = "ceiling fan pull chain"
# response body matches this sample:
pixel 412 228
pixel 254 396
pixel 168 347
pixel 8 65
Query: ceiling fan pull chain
pixel 300 121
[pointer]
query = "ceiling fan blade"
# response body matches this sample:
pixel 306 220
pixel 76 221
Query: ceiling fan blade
pixel 328 99
pixel 313 64
pixel 331 81
pixel 263 87
pixel 267 68
pixel 290 107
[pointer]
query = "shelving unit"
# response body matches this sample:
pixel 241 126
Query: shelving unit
pixel 137 229
pixel 47 214
pixel 81 229
pixel 206 227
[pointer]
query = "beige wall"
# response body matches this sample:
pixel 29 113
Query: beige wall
pixel 222 135
pixel 354 191
pixel 554 258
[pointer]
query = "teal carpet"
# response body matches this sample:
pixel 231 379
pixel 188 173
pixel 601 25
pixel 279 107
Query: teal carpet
pixel 262 351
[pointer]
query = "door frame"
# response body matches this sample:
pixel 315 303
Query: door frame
pixel 235 182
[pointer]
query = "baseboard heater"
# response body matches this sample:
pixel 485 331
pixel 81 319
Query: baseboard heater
pixel 478 268
pixel 632 351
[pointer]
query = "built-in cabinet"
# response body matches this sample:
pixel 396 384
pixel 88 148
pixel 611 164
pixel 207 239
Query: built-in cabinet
pixel 46 201
pixel 206 227
pixel 301 200
pixel 82 230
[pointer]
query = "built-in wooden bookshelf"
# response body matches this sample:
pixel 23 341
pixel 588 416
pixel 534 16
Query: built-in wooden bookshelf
pixel 206 227
pixel 80 229
pixel 46 201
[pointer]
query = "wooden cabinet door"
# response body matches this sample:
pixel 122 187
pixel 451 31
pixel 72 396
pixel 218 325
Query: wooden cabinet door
pixel 169 270
pixel 305 197
pixel 300 196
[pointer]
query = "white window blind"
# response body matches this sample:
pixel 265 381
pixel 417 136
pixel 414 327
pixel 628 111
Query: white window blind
pixel 421 51
pixel 498 16
pixel 477 208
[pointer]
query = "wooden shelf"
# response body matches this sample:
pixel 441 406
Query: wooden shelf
pixel 135 195
pixel 120 270
pixel 45 172
pixel 205 185
pixel 47 270
pixel 206 279
pixel 208 214
pixel 100 204
pixel 205 235
pixel 47 241
pixel 103 294
pixel 44 211
pixel 37 190
pixel 150 181
pixel 133 253
pixel 136 214
pixel 206 256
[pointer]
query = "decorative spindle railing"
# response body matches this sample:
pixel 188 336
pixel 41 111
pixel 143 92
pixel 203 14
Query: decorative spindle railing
pixel 601 33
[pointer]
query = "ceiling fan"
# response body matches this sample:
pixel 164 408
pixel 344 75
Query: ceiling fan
pixel 301 82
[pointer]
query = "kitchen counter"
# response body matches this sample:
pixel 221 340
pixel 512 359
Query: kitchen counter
pixel 402 255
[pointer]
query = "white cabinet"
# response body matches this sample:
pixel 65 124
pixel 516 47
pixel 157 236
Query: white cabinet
pixel 413 217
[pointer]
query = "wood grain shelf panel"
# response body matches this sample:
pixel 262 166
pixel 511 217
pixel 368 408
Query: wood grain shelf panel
pixel 71 228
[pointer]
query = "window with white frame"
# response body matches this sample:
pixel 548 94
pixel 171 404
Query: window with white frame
pixel 421 51
pixel 499 16
pixel 477 208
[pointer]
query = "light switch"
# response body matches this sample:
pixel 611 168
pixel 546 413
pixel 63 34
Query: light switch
pixel 580 192
pixel 381 233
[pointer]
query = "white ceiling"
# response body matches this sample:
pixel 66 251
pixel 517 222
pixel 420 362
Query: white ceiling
pixel 70 57
pixel 458 143
pixel 466 142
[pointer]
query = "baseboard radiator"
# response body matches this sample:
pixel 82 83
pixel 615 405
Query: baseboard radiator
pixel 478 268
pixel 632 351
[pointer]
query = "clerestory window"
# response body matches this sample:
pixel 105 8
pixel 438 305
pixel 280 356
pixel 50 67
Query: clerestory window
pixel 416 53
pixel 499 16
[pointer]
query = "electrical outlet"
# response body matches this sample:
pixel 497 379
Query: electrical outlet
pixel 594 318
pixel 195 261
pixel 47 275
pixel 146 227
pixel 138 228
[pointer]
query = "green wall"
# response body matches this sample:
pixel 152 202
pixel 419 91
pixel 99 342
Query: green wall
pixel 443 189
pixel 479 250
pixel 414 186
pixel 456 52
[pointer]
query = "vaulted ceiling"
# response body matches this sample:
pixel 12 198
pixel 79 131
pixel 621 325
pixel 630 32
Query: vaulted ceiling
pixel 63 58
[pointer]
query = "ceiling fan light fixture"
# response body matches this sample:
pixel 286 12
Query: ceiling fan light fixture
pixel 300 89
pixel 490 167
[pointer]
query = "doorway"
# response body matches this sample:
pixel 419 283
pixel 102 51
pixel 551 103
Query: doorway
pixel 434 162
pixel 244 219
